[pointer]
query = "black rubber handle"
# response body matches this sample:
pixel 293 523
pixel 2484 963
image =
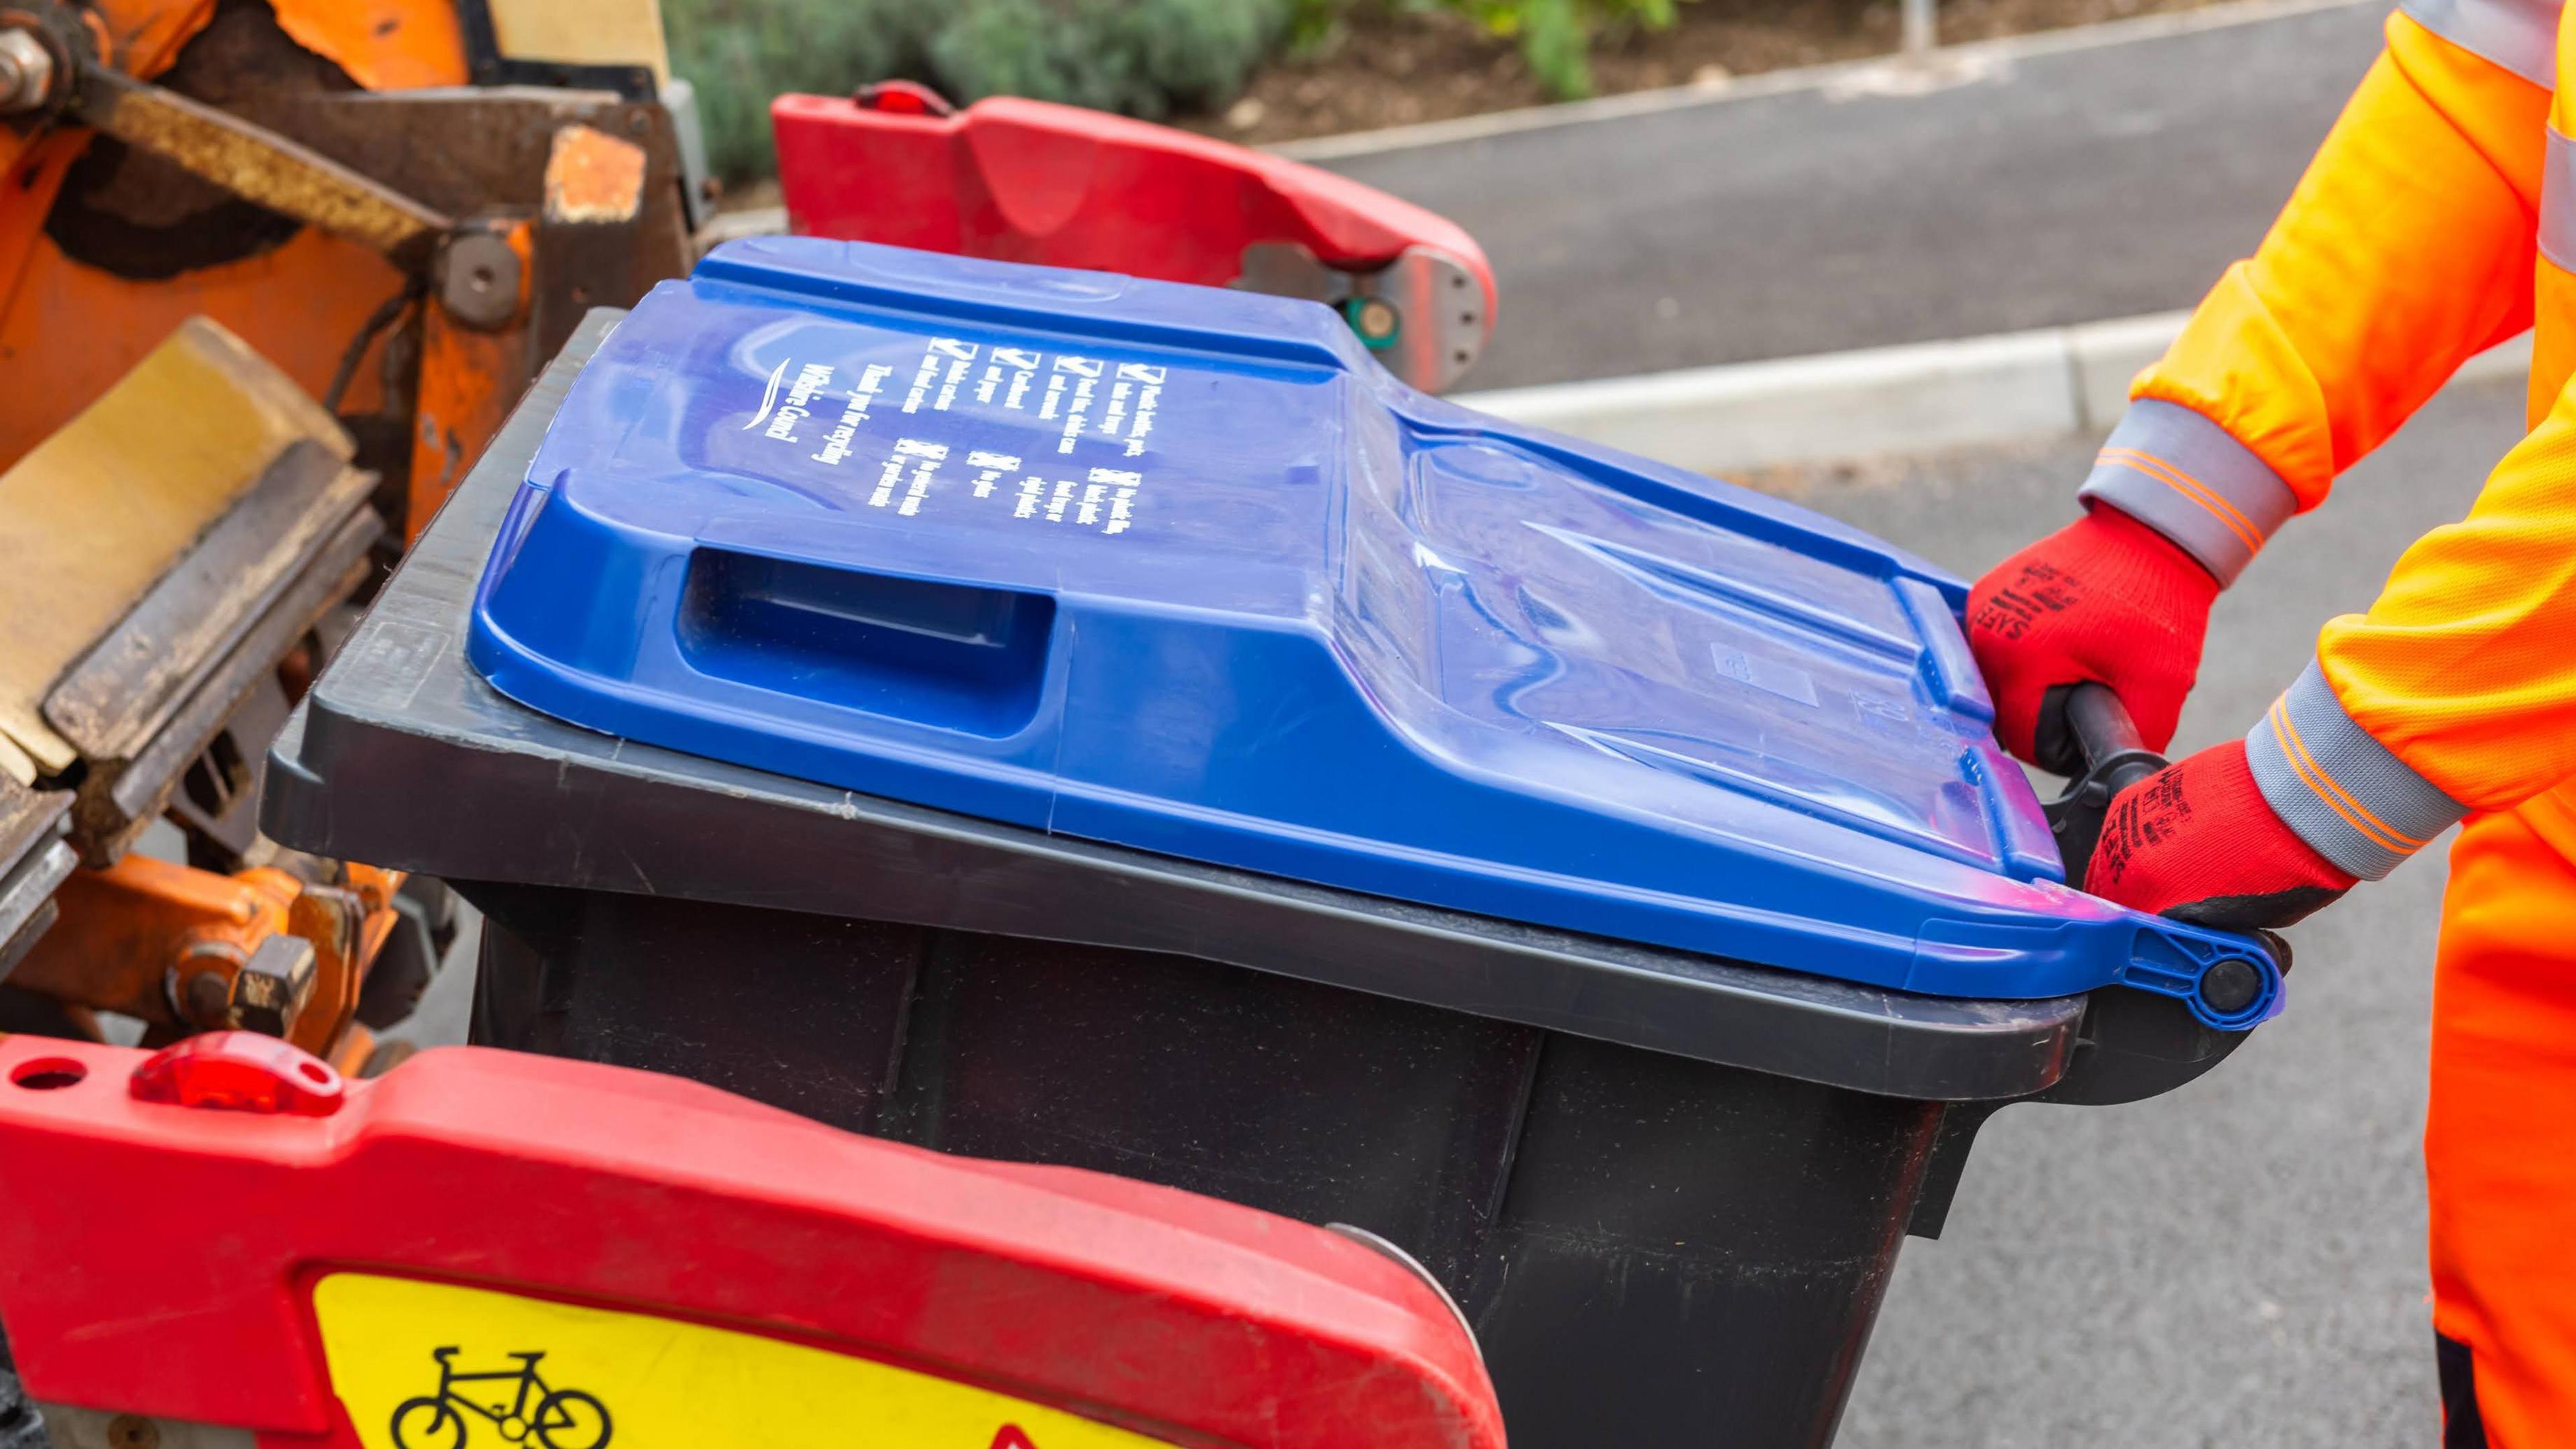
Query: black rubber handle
pixel 2114 758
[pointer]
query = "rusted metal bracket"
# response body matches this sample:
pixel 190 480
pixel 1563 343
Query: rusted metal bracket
pixel 149 697
pixel 259 165
pixel 598 178
pixel 261 950
pixel 34 860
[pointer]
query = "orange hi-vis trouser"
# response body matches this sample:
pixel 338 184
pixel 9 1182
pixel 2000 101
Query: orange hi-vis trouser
pixel 2439 218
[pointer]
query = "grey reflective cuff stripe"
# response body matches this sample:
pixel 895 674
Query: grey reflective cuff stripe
pixel 2558 201
pixel 2342 791
pixel 2183 476
pixel 2520 35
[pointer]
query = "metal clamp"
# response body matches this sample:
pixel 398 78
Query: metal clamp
pixel 1421 315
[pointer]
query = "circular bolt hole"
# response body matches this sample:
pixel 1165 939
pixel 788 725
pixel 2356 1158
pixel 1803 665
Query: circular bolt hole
pixel 48 1074
pixel 483 279
pixel 133 1431
pixel 314 1072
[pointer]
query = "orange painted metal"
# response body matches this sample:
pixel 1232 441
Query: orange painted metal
pixel 348 926
pixel 132 936
pixel 592 176
pixel 142 37
pixel 384 45
pixel 468 381
pixel 298 306
pixel 136 937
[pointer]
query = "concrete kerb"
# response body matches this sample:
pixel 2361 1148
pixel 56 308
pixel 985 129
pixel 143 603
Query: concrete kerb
pixel 1916 398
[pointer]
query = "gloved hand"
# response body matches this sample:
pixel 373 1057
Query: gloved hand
pixel 2106 599
pixel 2196 841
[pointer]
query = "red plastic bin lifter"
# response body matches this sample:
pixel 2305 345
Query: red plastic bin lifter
pixel 1027 181
pixel 623 1251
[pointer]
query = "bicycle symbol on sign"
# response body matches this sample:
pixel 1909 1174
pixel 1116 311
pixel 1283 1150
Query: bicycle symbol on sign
pixel 553 1418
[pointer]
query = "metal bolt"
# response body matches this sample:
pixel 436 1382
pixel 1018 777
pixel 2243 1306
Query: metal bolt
pixel 1376 320
pixel 206 998
pixel 26 71
pixel 479 280
pixel 271 988
pixel 199 985
pixel 133 1431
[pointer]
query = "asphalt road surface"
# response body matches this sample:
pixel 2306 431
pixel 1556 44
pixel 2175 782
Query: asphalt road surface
pixel 2063 187
pixel 2239 1263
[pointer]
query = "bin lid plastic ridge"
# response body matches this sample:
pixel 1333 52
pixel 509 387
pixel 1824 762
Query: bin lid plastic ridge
pixel 1182 569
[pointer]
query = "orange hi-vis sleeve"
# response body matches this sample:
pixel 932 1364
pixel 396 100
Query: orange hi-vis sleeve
pixel 2406 249
pixel 2457 691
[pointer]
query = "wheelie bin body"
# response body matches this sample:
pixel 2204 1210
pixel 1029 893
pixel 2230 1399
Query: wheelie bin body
pixel 1056 717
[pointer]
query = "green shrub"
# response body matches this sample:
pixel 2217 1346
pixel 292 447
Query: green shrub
pixel 1140 57
pixel 739 53
pixel 1556 35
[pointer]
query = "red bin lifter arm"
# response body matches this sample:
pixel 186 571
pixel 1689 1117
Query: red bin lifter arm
pixel 357 1263
pixel 1026 181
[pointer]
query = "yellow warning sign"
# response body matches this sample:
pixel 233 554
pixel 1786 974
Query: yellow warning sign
pixel 434 1366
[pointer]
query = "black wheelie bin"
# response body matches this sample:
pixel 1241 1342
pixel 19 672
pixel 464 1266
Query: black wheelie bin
pixel 1052 716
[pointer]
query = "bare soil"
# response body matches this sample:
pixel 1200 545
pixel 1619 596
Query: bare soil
pixel 1386 67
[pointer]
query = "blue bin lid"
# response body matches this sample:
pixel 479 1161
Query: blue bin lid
pixel 1181 569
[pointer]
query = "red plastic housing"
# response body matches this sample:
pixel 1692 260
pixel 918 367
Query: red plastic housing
pixel 239 1071
pixel 160 1259
pixel 1027 181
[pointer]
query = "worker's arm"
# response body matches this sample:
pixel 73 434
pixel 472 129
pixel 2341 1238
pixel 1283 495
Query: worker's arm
pixel 2406 248
pixel 2456 692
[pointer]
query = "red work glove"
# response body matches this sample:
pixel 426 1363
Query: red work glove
pixel 2196 841
pixel 2105 599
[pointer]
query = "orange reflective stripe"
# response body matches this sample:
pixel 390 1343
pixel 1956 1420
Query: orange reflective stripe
pixel 2335 797
pixel 2191 488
